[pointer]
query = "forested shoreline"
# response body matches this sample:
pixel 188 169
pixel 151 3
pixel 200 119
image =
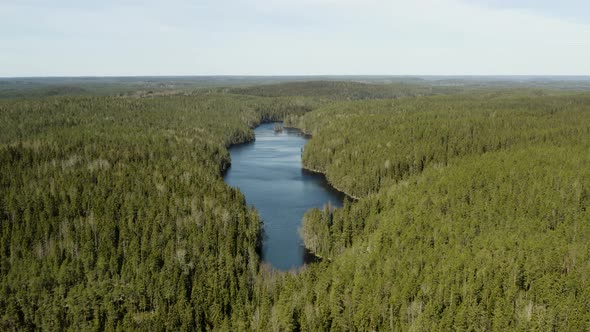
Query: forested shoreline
pixel 472 214
pixel 317 171
pixel 114 214
pixel 472 140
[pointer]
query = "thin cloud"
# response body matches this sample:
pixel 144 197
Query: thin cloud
pixel 264 37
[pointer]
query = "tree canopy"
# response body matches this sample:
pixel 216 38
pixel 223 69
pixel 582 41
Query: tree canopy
pixel 472 212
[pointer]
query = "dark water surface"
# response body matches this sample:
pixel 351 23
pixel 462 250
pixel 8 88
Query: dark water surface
pixel 268 171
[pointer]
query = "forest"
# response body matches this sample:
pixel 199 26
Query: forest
pixel 469 210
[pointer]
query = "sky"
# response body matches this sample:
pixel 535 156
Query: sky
pixel 294 37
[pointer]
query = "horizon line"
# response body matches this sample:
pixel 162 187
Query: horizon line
pixel 300 75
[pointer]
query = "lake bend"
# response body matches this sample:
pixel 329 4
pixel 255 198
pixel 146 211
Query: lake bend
pixel 269 172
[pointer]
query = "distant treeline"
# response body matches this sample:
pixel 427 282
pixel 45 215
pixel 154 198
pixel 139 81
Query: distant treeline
pixel 327 87
pixel 345 90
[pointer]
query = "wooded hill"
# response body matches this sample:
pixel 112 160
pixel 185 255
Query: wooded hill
pixel 346 90
pixel 473 213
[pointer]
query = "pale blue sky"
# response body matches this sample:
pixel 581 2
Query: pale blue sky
pixel 294 37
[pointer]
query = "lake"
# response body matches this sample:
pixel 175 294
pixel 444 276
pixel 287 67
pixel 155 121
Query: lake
pixel 268 171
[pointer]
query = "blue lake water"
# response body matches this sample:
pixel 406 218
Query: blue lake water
pixel 269 173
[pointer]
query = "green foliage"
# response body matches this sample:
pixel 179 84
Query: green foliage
pixel 489 232
pixel 366 145
pixel 114 215
pixel 482 244
pixel 472 214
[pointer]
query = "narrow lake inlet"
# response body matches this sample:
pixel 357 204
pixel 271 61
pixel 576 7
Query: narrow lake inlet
pixel 268 171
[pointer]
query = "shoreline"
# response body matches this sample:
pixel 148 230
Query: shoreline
pixel 303 166
pixel 330 183
pixel 306 134
pixel 225 167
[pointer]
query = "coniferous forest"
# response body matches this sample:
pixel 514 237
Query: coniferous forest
pixel 468 210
